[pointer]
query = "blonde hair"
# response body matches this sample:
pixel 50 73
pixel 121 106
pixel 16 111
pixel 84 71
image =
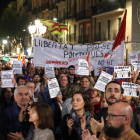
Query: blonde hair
pixel 99 94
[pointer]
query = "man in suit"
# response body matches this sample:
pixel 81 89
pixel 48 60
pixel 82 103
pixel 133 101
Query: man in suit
pixel 15 118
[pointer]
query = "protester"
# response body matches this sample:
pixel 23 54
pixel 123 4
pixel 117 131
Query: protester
pixel 68 93
pixel 63 84
pixel 31 86
pixel 41 115
pixel 113 94
pixel 96 97
pixel 79 118
pixel 6 99
pixel 85 83
pixel 20 81
pixel 37 82
pixel 118 124
pixel 15 117
pixel 72 78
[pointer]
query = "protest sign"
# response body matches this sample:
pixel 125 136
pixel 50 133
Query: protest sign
pixel 130 89
pixel 133 56
pixel 6 78
pixel 53 88
pixel 102 62
pixel 82 67
pixel 102 81
pixel 122 71
pixel 17 67
pixel 135 65
pixel 51 52
pixel 49 71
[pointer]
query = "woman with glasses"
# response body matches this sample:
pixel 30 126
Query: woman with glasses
pixel 96 98
pixel 6 99
pixel 79 118
pixel 41 115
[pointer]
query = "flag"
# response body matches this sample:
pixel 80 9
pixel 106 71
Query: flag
pixel 88 58
pixel 120 39
pixel 54 27
pixel 19 56
pixel 23 60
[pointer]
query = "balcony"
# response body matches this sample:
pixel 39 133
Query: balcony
pixel 70 14
pixel 45 6
pixel 35 11
pixel 103 7
pixel 80 39
pixel 105 36
pixel 87 14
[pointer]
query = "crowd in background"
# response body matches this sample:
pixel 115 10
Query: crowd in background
pixel 80 112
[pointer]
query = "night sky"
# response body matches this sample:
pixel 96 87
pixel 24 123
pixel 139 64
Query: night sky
pixel 3 5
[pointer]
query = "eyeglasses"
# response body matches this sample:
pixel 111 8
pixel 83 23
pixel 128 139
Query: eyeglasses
pixel 110 116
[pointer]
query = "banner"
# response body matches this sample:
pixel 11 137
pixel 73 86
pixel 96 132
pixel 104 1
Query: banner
pixel 51 52
pixel 102 62
pixel 133 56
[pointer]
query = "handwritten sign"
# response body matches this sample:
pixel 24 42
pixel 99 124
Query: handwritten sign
pixel 102 62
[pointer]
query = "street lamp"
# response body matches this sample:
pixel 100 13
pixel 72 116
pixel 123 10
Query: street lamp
pixel 37 29
pixel 4 42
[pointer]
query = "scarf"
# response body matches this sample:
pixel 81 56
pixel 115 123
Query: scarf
pixel 77 124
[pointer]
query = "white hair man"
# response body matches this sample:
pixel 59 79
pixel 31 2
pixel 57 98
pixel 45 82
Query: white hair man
pixel 15 117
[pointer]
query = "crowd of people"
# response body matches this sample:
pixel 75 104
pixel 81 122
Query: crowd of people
pixel 79 112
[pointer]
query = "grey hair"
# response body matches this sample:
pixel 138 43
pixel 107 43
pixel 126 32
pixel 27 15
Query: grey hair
pixel 22 86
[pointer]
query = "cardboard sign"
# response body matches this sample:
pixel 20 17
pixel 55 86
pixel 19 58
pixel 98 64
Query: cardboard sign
pixel 54 89
pixel 102 81
pixel 6 78
pixel 122 71
pixel 49 71
pixel 103 63
pixel 130 89
pixel 82 67
pixel 17 67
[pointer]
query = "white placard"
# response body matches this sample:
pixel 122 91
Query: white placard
pixel 135 65
pixel 17 67
pixel 102 62
pixel 122 71
pixel 54 89
pixel 130 89
pixel 82 67
pixel 6 78
pixel 49 71
pixel 102 81
pixel 133 56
